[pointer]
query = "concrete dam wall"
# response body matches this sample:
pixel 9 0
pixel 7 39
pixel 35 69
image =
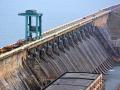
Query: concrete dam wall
pixel 80 46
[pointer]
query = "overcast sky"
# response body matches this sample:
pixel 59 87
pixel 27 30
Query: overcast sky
pixel 55 12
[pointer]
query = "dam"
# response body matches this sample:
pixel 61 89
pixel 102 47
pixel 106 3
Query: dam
pixel 90 45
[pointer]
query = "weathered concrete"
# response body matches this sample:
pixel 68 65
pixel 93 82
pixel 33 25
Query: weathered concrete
pixel 12 63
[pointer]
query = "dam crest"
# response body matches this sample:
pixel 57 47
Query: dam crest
pixel 85 45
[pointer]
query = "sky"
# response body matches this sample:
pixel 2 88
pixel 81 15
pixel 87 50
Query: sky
pixel 55 12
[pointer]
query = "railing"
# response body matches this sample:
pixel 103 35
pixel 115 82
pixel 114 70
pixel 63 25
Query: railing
pixel 58 31
pixel 64 29
pixel 76 22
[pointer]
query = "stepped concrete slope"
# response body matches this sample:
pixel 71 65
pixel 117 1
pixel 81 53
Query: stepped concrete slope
pixel 90 44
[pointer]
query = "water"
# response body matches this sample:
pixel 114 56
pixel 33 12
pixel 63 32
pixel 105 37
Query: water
pixel 112 79
pixel 74 52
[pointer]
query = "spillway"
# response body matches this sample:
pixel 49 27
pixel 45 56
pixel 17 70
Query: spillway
pixel 84 47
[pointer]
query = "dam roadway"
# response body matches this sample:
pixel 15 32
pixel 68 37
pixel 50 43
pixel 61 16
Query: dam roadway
pixel 83 45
